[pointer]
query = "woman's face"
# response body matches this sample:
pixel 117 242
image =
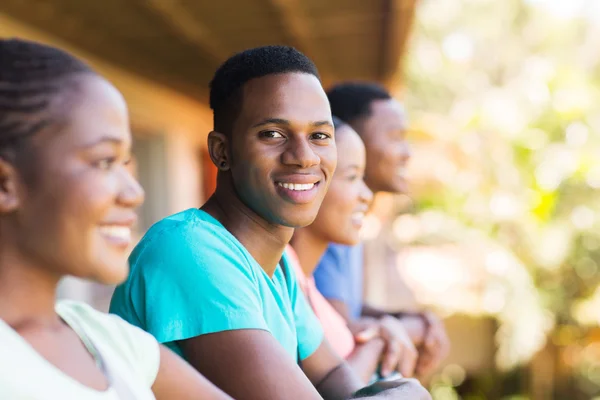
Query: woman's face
pixel 283 151
pixel 75 216
pixel 343 210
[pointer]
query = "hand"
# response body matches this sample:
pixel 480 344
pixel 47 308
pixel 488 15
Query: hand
pixel 400 353
pixel 400 389
pixel 435 346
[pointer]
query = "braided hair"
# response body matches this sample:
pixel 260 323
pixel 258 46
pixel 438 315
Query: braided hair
pixel 31 76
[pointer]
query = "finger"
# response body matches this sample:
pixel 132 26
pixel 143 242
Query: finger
pixel 391 357
pixel 408 362
pixel 425 366
pixel 432 339
pixel 367 334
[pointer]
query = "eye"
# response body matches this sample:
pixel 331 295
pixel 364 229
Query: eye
pixel 105 163
pixel 270 135
pixel 320 136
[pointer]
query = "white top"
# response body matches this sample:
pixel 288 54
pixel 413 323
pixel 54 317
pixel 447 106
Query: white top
pixel 130 352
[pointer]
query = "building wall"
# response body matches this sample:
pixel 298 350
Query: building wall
pixel 169 132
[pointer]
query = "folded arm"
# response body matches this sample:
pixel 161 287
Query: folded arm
pixel 250 364
pixel 176 379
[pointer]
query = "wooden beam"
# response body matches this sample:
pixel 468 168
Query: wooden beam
pixel 398 19
pixel 294 17
pixel 178 18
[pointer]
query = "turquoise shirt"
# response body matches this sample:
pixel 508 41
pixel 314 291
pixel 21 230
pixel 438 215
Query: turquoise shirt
pixel 189 277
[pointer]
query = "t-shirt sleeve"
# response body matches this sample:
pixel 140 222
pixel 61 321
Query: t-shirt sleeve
pixel 135 347
pixel 331 275
pixel 186 283
pixel 308 328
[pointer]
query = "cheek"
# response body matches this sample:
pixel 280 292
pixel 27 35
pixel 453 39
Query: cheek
pixel 62 220
pixel 328 156
pixel 250 179
pixel 337 205
pixel 92 196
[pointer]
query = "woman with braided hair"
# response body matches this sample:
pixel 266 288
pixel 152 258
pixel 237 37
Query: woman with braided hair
pixel 67 205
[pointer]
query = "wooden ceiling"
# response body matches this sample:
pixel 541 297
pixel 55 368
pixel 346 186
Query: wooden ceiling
pixel 180 43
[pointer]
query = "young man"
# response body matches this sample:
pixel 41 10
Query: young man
pixel 380 120
pixel 211 283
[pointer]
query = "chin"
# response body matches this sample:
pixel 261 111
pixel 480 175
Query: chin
pixel 348 240
pixel 298 221
pixel 295 217
pixel 111 273
pixel 399 187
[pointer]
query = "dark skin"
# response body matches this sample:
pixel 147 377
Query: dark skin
pixel 283 134
pixel 339 221
pixel 384 134
pixel 57 221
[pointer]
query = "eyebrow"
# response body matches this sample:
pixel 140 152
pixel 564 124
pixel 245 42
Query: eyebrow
pixel 104 139
pixel 352 167
pixel 281 121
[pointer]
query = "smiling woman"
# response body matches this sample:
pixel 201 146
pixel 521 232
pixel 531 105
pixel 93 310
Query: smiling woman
pixel 67 203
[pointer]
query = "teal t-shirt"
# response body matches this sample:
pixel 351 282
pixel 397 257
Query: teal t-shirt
pixel 189 277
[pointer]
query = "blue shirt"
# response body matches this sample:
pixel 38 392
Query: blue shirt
pixel 189 277
pixel 339 276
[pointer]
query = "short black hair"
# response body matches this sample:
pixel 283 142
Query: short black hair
pixel 351 101
pixel 31 74
pixel 230 77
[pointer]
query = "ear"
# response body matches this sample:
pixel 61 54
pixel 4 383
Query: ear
pixel 218 149
pixel 9 196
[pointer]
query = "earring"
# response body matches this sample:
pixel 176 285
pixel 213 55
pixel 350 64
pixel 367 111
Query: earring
pixel 223 164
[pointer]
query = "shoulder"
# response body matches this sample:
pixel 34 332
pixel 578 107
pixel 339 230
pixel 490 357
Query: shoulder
pixel 136 348
pixel 109 328
pixel 334 258
pixel 183 230
pixel 290 258
pixel 189 237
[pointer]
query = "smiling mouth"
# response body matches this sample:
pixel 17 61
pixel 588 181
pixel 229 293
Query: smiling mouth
pixel 358 218
pixel 297 186
pixel 298 193
pixel 116 234
pixel 401 172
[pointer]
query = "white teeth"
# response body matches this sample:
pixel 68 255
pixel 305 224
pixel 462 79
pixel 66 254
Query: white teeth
pixel 358 216
pixel 115 231
pixel 296 186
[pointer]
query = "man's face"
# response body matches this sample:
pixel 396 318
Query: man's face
pixel 283 148
pixel 388 152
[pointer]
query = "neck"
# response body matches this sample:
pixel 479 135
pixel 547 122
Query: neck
pixel 27 292
pixel 263 240
pixel 309 248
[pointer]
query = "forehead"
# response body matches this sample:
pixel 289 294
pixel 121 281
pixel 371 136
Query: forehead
pixel 93 108
pixel 351 149
pixel 296 97
pixel 388 114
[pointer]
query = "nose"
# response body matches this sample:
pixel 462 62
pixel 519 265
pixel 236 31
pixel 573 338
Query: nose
pixel 366 194
pixel 131 194
pixel 405 151
pixel 299 152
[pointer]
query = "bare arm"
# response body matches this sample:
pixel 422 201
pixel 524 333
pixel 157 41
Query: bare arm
pixel 250 364
pixel 401 389
pixel 366 357
pixel 368 311
pixel 341 308
pixel 176 379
